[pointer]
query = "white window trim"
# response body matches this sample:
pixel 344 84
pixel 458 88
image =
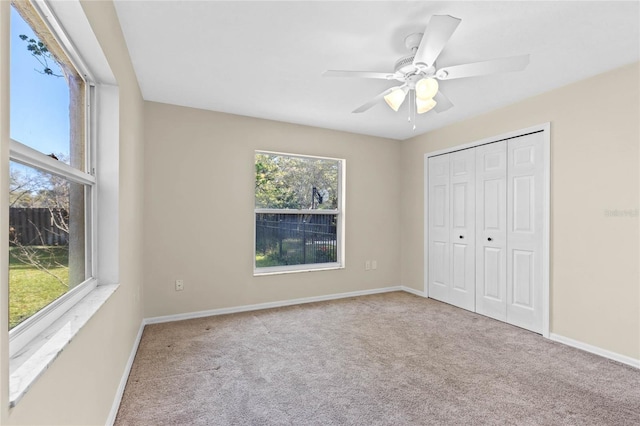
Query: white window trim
pixel 292 269
pixel 36 344
pixel 28 156
pixel 296 211
pixel 26 331
pixel 340 227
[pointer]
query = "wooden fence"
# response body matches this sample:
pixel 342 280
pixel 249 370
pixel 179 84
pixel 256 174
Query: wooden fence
pixel 37 226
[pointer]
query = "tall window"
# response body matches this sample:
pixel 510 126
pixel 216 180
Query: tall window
pixel 298 212
pixel 51 184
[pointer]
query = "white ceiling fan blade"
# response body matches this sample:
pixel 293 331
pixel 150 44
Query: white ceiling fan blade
pixel 375 100
pixel 514 63
pixel 435 37
pixel 442 102
pixel 358 74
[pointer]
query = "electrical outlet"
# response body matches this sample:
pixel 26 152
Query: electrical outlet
pixel 179 285
pixel 374 264
pixel 367 265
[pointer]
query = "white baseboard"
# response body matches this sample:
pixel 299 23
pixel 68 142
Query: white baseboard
pixel 566 341
pixel 268 305
pixel 413 291
pixel 595 350
pixel 123 381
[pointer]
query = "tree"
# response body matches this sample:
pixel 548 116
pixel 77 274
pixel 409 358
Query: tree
pixel 37 190
pixel 287 182
pixel 295 183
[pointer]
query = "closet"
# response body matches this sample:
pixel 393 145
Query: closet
pixel 485 228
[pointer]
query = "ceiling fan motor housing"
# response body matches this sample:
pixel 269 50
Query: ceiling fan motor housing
pixel 404 65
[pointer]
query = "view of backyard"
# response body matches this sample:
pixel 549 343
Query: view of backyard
pixel 39 202
pixel 296 200
pixel 33 288
pixel 295 239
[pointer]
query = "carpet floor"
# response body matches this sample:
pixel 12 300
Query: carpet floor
pixel 388 359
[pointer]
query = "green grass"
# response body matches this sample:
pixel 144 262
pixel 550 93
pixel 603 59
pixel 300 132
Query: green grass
pixel 271 256
pixel 264 261
pixel 31 289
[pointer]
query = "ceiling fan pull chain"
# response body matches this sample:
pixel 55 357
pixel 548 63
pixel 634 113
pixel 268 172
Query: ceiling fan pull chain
pixel 413 108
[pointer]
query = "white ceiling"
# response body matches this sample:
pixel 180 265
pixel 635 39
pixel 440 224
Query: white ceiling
pixel 265 59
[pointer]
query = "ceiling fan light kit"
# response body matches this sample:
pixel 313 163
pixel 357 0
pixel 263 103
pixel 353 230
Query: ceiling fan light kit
pixel 426 88
pixel 396 98
pixel 419 73
pixel 423 105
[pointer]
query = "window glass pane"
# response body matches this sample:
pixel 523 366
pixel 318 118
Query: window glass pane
pixel 288 182
pixel 47 94
pixel 46 239
pixel 295 239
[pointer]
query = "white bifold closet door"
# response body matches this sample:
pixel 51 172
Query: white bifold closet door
pixel 463 220
pixel 486 229
pixel 439 229
pixel 452 230
pixel 491 230
pixel 525 177
pixel 509 177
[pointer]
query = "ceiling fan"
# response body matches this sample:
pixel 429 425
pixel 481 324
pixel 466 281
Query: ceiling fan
pixel 419 73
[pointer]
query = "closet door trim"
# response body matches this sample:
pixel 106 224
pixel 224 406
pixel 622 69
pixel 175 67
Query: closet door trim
pixel 546 208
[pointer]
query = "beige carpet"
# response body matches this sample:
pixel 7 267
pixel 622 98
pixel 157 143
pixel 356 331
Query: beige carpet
pixel 390 359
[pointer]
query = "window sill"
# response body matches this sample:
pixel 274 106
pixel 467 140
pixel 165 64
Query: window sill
pixel 27 365
pixel 283 270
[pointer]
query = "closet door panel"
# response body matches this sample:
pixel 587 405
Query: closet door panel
pixel 524 238
pixel 491 230
pixel 462 232
pixel 439 228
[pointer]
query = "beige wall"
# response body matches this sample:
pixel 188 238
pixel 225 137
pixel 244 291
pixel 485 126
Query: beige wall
pixel 199 200
pixel 80 386
pixel 595 280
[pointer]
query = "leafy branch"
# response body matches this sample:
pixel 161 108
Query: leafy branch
pixel 41 53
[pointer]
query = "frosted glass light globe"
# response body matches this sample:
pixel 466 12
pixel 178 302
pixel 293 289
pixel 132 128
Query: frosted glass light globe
pixel 423 106
pixel 396 98
pixel 426 88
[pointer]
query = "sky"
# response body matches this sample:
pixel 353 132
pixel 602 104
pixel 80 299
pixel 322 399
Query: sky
pixel 39 103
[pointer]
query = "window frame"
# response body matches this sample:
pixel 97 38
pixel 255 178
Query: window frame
pixel 27 330
pixel 339 212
